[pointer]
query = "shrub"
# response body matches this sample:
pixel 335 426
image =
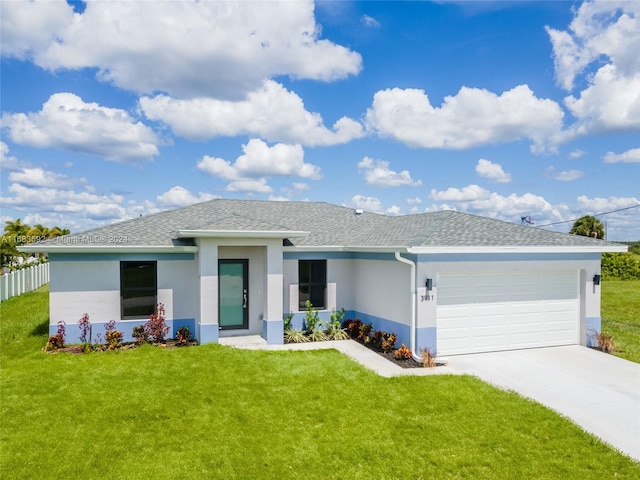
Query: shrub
pixel 353 327
pixel 85 329
pixel 295 336
pixel 623 266
pixel 403 353
pixel 365 330
pixel 287 321
pixel 376 339
pixel 317 336
pixel 389 343
pixel 140 334
pixel 112 336
pixel 155 328
pixel 183 335
pixel 605 342
pixel 428 358
pixel 312 317
pixel 57 340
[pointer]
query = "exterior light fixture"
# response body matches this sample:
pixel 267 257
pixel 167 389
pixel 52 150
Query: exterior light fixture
pixel 596 279
pixel 429 284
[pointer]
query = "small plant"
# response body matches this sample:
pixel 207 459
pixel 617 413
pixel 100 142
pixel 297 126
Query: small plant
pixel 139 334
pixel 605 342
pixel 183 335
pixel 155 328
pixel 317 336
pixel 353 327
pixel 112 336
pixel 376 339
pixel 403 353
pixel 312 317
pixel 57 340
pixel 365 330
pixel 295 336
pixel 428 358
pixel 389 343
pixel 335 330
pixel 287 321
pixel 85 329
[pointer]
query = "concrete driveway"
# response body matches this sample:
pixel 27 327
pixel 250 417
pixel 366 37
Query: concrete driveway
pixel 599 392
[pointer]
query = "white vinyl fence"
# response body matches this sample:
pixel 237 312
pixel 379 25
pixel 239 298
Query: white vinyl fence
pixel 22 281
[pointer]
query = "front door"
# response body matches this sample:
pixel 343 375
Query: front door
pixel 233 294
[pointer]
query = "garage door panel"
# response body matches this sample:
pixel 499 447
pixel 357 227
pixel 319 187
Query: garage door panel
pixel 492 312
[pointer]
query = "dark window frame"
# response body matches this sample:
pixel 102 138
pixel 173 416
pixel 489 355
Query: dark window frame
pixel 125 288
pixel 316 283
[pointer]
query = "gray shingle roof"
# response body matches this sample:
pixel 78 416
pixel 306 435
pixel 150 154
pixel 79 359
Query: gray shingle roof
pixel 327 224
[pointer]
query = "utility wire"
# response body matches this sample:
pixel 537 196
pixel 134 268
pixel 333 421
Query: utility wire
pixel 595 215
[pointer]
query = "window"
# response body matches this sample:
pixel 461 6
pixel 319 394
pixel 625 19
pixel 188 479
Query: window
pixel 138 289
pixel 312 283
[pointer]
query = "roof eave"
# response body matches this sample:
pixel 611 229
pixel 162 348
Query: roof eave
pixel 521 249
pixel 107 249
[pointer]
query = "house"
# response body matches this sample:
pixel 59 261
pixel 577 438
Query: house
pixel 449 281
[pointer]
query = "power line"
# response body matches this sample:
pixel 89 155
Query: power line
pixel 594 215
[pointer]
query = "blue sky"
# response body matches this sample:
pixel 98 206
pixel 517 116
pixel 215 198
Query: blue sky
pixel 111 110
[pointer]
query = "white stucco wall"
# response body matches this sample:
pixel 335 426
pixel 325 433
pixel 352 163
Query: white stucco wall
pixel 84 286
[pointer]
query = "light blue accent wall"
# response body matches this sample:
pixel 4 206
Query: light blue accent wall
pixel 298 319
pixel 426 337
pixel 110 257
pixel 208 333
pixel 126 327
pixel 273 331
pixel 593 327
pixel 402 331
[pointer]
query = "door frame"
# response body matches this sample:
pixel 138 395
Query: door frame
pixel 245 286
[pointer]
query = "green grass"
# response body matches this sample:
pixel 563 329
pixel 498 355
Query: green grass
pixel 216 412
pixel 621 316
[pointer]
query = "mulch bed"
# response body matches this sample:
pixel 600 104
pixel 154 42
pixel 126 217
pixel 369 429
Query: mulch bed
pixel 408 363
pixel 78 349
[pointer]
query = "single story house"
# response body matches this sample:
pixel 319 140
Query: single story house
pixel 449 281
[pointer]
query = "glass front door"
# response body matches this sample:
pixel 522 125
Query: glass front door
pixel 233 294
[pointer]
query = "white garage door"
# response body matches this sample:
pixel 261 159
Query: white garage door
pixel 506 311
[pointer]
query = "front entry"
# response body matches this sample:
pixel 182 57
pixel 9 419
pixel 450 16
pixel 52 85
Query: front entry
pixel 233 294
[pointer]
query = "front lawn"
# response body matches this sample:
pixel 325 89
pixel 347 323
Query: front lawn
pixel 217 412
pixel 621 316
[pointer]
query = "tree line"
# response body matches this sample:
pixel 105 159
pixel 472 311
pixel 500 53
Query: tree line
pixel 16 234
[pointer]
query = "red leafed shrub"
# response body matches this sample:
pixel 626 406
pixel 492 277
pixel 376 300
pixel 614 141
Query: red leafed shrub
pixel 112 336
pixel 85 329
pixel 365 330
pixel 353 327
pixel 155 328
pixel 57 340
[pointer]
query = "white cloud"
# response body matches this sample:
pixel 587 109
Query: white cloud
pixel 67 122
pixel 30 27
pixel 368 204
pixel 370 22
pixel 605 34
pixel 249 172
pixel 9 162
pixel 471 118
pixel 179 197
pixel 564 175
pixel 576 154
pixel 414 201
pixel 189 48
pixel 37 177
pixel 630 156
pixel 492 171
pixel 599 28
pixel 271 112
pixel 477 200
pixel 378 174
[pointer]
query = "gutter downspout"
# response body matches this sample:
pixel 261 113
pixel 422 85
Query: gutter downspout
pixel 412 337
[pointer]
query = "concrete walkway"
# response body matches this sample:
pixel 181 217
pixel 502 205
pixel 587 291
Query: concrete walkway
pixel 600 392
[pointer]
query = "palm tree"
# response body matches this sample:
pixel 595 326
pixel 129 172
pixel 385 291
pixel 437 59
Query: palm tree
pixel 16 229
pixel 588 226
